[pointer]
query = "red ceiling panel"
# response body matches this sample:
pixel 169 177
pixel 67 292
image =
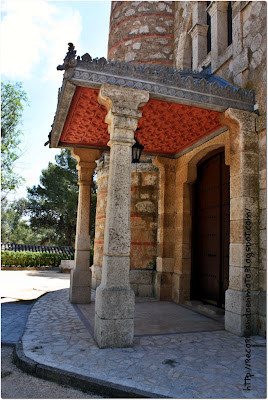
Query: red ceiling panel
pixel 165 128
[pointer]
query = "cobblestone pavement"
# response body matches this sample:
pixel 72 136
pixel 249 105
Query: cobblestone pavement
pixel 29 285
pixel 205 364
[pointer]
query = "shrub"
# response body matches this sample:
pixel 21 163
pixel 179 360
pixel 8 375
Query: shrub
pixel 32 259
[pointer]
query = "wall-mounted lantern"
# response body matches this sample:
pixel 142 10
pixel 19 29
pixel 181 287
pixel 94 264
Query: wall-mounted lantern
pixel 136 151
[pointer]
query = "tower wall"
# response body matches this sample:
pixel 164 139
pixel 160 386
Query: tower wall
pixel 142 31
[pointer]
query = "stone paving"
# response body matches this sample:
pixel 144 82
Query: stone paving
pixel 204 364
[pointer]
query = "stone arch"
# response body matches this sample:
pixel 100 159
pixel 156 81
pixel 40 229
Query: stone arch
pixel 241 153
pixel 201 155
pixel 186 169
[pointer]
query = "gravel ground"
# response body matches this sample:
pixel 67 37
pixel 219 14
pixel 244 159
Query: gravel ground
pixel 16 384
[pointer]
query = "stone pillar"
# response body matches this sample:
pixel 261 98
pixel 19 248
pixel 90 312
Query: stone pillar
pixel 219 33
pixel 199 43
pixel 115 300
pixel 241 305
pixel 166 228
pixel 80 284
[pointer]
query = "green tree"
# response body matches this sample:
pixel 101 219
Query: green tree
pixel 12 105
pixel 50 208
pixel 53 203
pixel 15 228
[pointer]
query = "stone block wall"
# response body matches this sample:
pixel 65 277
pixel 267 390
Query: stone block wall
pixel 242 63
pixel 261 131
pixel 143 223
pixel 141 31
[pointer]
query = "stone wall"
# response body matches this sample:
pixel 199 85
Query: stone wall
pixel 242 63
pixel 141 31
pixel 171 33
pixel 143 224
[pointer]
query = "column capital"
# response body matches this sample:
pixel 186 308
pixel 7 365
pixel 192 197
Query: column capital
pixel 86 163
pixel 123 114
pixel 234 118
pixel 122 101
pixel 217 6
pixel 198 30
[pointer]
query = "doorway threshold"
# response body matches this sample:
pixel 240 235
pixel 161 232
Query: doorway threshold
pixel 208 310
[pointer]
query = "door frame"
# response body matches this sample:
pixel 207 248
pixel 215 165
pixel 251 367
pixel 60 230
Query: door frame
pixel 194 269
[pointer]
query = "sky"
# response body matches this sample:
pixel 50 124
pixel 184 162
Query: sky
pixel 34 40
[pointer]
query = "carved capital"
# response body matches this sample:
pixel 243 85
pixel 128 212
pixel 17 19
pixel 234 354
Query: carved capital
pixel 122 105
pixel 236 119
pixel 86 163
pixel 122 101
pixel 198 30
pixel 216 6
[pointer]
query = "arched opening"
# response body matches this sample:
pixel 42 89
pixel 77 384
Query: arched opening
pixel 211 230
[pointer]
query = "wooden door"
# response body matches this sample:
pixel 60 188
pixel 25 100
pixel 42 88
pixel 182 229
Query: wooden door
pixel 210 273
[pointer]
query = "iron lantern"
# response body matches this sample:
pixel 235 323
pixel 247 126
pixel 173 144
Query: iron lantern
pixel 136 151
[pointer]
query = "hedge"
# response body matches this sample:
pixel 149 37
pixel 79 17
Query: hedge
pixel 32 259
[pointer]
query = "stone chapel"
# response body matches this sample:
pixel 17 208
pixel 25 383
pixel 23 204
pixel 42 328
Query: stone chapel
pixel 187 80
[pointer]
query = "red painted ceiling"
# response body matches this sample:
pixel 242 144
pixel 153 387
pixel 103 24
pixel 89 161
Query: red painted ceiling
pixel 165 128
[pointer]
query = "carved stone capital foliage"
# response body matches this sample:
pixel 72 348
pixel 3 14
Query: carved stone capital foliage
pixel 122 105
pixel 122 101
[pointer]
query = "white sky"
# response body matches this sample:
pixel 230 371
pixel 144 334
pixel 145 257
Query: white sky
pixel 34 40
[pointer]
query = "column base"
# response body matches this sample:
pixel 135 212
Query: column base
pixel 80 287
pixel 114 317
pixel 241 310
pixel 113 333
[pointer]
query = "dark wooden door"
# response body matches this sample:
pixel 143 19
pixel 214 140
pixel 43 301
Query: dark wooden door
pixel 211 228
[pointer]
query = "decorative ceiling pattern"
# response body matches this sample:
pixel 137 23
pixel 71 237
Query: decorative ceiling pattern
pixel 85 121
pixel 165 128
pixel 169 128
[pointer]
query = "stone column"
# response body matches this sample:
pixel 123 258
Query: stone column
pixel 199 43
pixel 115 300
pixel 241 305
pixel 219 34
pixel 80 285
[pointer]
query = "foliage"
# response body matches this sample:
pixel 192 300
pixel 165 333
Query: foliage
pixel 13 228
pixel 16 229
pixel 32 259
pixel 48 215
pixel 12 105
pixel 53 203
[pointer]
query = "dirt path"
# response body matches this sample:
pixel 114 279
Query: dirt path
pixel 16 384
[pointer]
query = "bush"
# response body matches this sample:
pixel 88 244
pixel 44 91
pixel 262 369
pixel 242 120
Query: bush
pixel 32 259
